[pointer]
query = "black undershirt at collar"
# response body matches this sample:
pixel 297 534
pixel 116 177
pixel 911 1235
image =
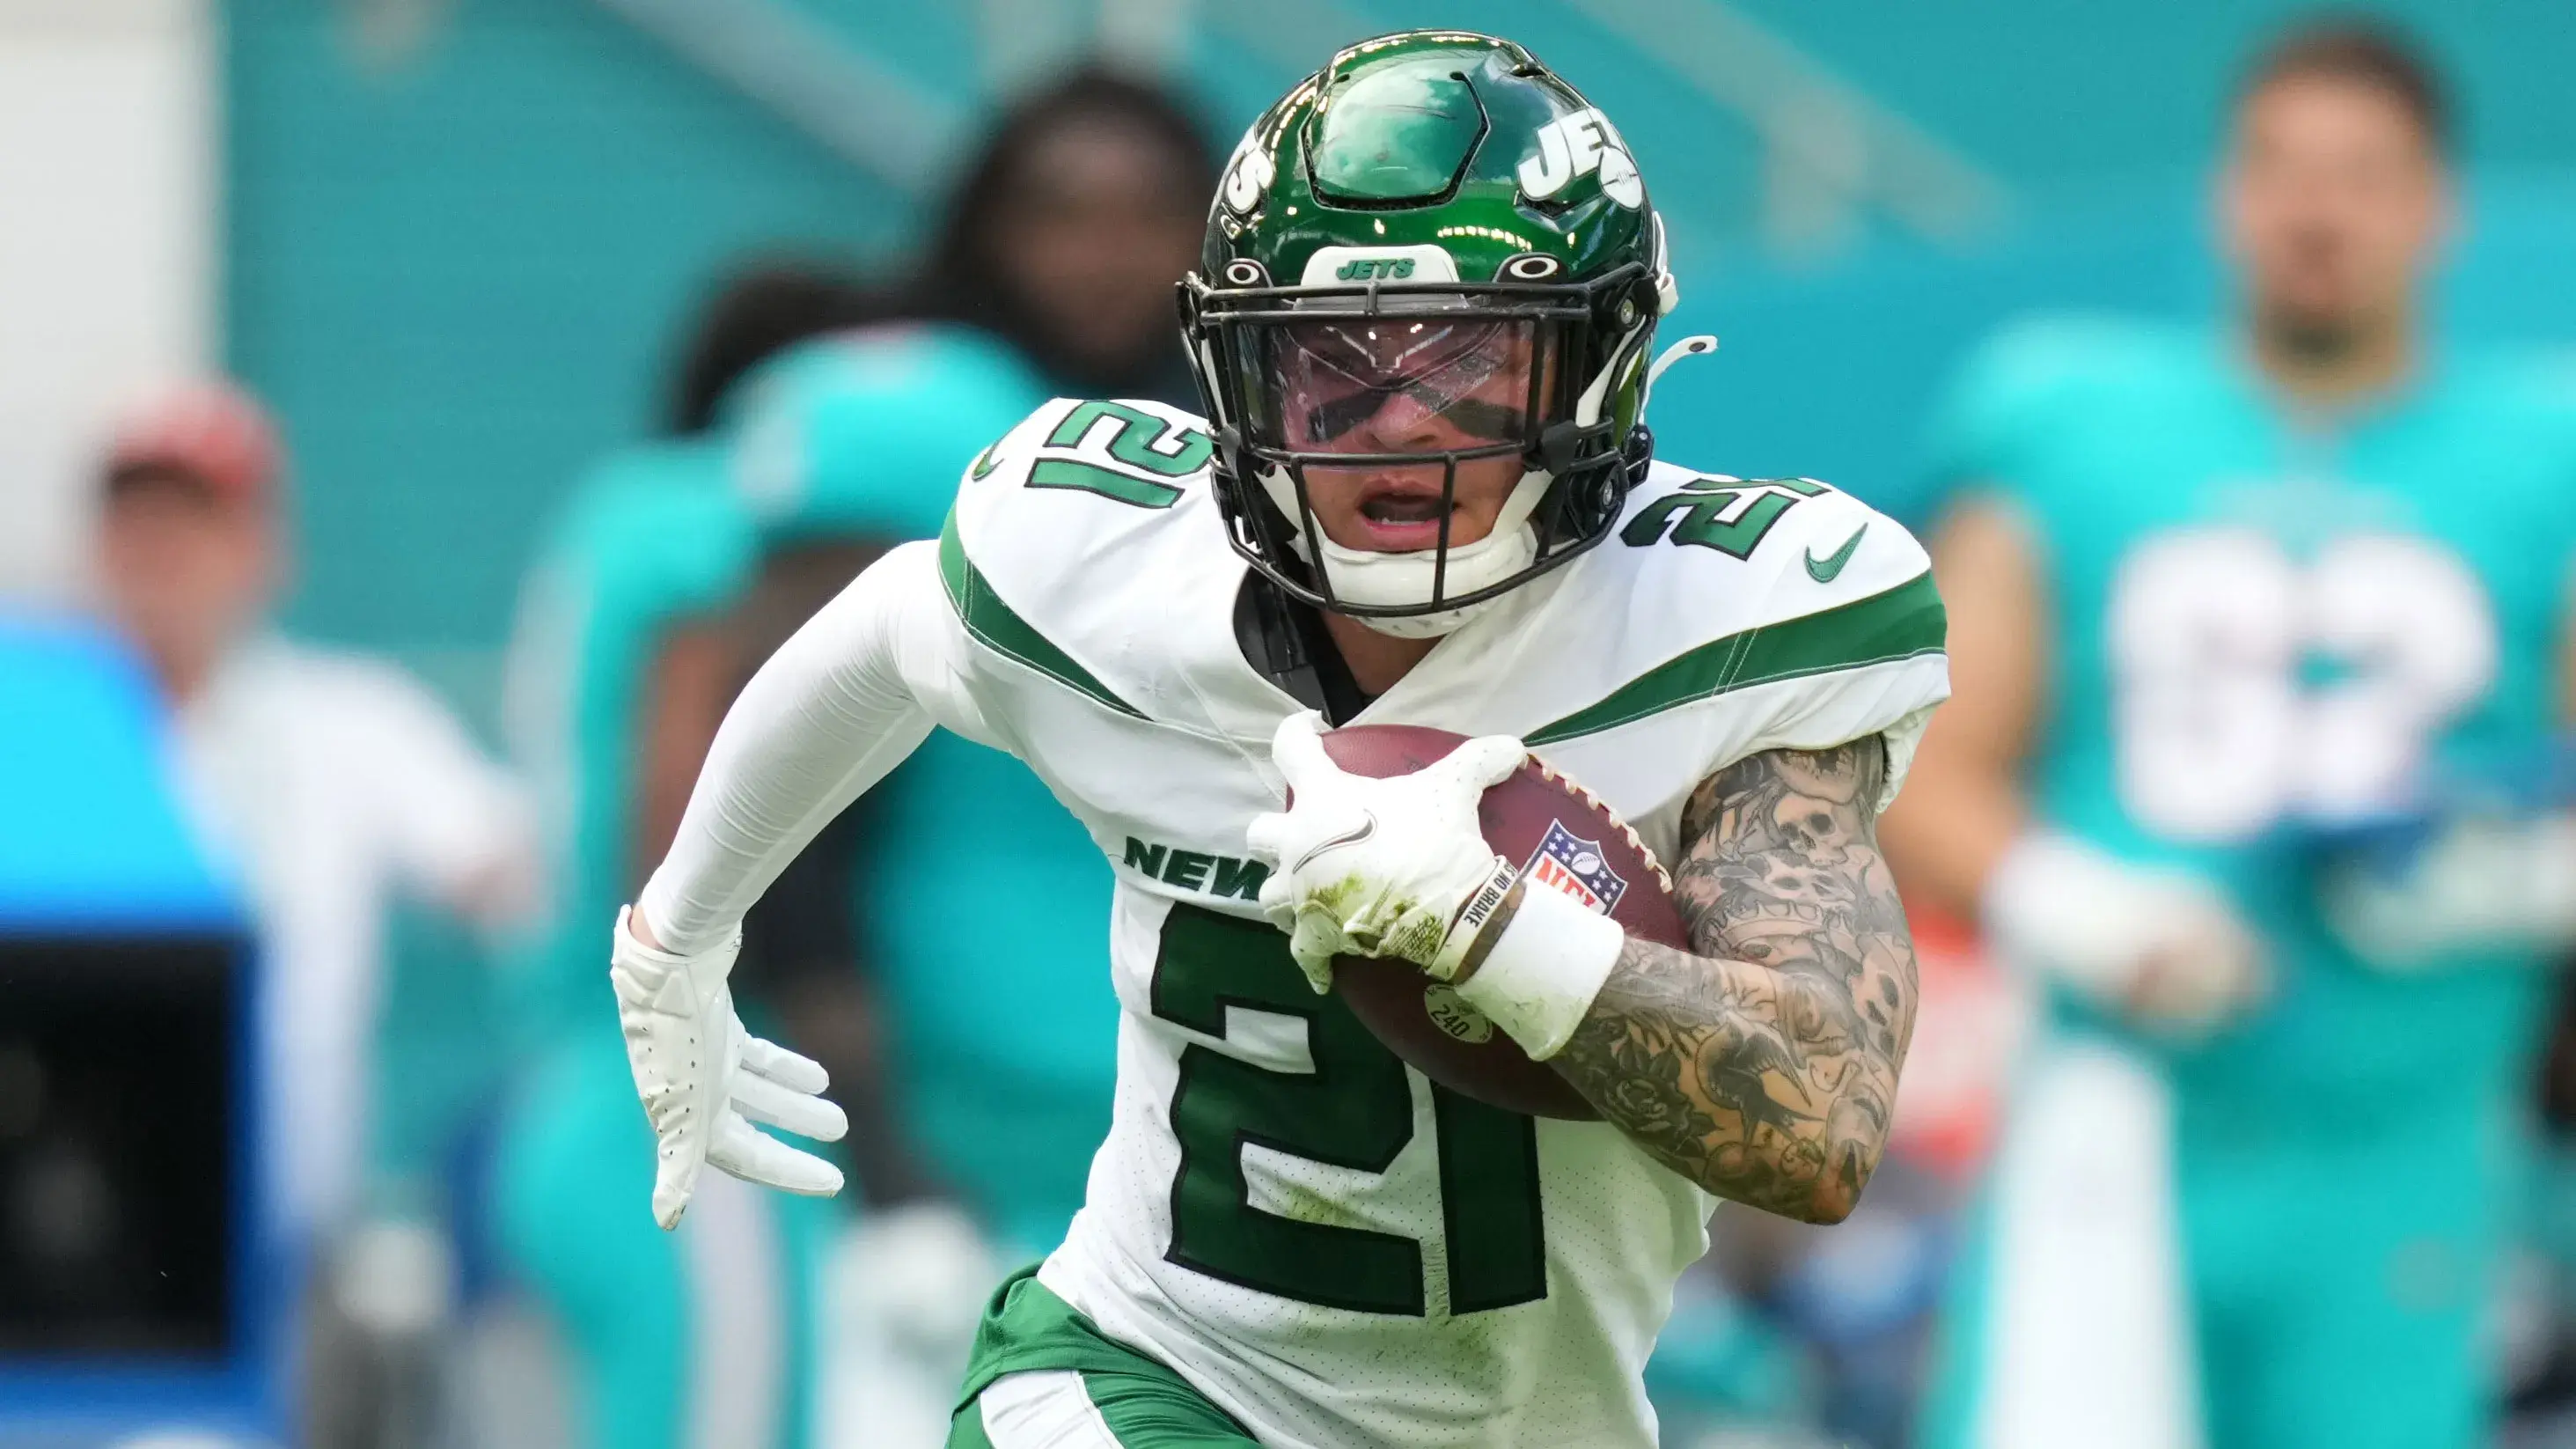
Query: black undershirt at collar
pixel 1287 642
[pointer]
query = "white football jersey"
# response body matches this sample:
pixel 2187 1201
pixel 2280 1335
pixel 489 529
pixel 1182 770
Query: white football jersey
pixel 1330 1248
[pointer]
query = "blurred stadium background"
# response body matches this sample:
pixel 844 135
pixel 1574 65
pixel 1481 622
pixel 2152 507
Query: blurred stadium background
pixel 456 247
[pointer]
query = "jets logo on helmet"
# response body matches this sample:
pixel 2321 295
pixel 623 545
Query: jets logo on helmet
pixel 1248 176
pixel 1578 145
pixel 1378 236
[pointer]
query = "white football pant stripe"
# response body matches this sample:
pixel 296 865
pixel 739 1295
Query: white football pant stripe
pixel 1047 1409
pixel 2088 1328
pixel 737 1312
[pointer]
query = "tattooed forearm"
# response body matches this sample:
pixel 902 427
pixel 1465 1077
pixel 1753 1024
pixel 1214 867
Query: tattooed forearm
pixel 1762 1064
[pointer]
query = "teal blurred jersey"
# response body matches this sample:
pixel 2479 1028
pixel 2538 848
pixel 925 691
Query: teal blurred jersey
pixel 2263 626
pixel 676 1340
pixel 2263 623
pixel 653 537
pixel 867 434
pixel 988 935
pixel 981 903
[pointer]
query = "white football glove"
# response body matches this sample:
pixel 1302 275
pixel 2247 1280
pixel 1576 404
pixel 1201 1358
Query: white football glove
pixel 705 1080
pixel 2162 946
pixel 1375 867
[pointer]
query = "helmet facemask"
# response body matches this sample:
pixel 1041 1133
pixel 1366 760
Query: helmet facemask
pixel 1392 394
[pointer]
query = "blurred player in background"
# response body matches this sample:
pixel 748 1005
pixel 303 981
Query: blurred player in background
pixel 333 784
pixel 2218 598
pixel 682 565
pixel 847 446
pixel 1068 231
pixel 704 1338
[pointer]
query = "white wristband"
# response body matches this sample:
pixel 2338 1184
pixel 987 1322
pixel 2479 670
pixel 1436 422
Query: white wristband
pixel 2134 937
pixel 1543 971
pixel 2069 910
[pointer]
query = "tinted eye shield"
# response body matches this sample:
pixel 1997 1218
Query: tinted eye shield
pixel 1472 416
pixel 1234 323
pixel 1332 382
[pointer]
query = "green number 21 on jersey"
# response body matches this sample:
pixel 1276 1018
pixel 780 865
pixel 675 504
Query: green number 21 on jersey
pixel 1143 451
pixel 1729 515
pixel 1352 1110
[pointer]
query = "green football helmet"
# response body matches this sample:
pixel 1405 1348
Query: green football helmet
pixel 1433 216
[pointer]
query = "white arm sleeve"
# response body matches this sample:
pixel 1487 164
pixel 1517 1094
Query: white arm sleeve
pixel 839 705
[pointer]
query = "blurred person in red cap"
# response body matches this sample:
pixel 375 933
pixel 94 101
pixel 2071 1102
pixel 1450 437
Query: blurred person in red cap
pixel 331 785
pixel 188 547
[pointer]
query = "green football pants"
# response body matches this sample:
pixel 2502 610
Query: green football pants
pixel 1042 1377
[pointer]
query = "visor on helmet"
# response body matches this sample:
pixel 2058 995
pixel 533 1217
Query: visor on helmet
pixel 1430 384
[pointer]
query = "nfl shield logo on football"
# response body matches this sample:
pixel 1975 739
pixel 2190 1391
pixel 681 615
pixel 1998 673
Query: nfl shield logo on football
pixel 1567 862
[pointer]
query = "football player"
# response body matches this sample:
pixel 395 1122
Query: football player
pixel 1423 494
pixel 2220 594
pixel 634 634
pixel 668 1340
pixel 1063 235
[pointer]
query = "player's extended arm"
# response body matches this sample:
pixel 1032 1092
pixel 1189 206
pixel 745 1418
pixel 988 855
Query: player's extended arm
pixel 838 706
pixel 1963 804
pixel 1764 1067
pixel 2160 944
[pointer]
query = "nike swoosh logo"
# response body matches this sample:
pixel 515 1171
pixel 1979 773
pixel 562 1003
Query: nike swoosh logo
pixel 1353 836
pixel 985 462
pixel 1825 570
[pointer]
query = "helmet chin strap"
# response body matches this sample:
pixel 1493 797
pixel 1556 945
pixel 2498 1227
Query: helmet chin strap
pixel 1365 577
pixel 1697 345
pixel 1368 577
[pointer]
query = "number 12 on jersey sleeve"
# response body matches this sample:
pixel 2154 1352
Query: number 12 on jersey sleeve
pixel 1354 1110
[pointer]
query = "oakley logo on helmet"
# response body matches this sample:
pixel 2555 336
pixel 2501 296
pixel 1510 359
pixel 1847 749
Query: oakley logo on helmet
pixel 1575 145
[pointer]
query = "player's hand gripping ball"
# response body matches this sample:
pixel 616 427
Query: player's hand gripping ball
pixel 1380 867
pixel 1479 807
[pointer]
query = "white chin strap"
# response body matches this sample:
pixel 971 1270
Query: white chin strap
pixel 1376 580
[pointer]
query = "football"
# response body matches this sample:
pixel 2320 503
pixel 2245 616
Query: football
pixel 1563 839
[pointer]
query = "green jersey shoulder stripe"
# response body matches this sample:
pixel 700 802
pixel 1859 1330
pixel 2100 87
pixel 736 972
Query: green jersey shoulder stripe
pixel 1004 632
pixel 1901 623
